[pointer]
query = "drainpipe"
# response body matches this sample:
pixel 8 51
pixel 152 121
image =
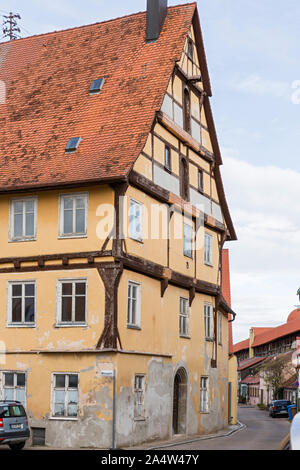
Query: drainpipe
pixel 114 412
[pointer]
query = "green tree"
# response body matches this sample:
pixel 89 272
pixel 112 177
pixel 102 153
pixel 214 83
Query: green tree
pixel 275 371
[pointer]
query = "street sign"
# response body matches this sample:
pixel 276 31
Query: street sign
pixel 107 373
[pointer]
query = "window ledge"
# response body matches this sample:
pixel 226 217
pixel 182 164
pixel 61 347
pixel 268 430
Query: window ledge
pixel 63 418
pixel 138 240
pixel 64 237
pixel 20 325
pixel 185 336
pixel 140 418
pixel 71 325
pixel 204 412
pixel 22 240
pixel 211 340
pixel 208 264
pixel 134 327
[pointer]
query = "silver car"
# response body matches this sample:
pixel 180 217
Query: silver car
pixel 14 429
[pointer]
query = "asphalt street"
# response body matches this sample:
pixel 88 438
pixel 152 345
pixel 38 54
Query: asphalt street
pixel 261 433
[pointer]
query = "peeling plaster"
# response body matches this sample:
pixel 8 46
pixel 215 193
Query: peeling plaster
pixel 158 407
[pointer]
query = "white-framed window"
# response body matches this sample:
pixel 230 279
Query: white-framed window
pixel 204 395
pixel 13 386
pixel 23 219
pixel 136 220
pixel 73 215
pixel 208 249
pixel 21 303
pixel 187 240
pixel 220 317
pixel 65 388
pixel 134 304
pixel 208 321
pixel 72 301
pixel 139 396
pixel 184 317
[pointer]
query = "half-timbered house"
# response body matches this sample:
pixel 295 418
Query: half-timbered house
pixel 113 219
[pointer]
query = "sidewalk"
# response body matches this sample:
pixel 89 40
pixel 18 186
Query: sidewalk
pixel 181 439
pixel 185 440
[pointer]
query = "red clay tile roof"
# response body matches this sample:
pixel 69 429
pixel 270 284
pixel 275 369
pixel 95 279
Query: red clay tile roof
pixel 259 330
pixel 250 362
pixel 48 78
pixel 241 346
pixel 251 380
pixel 277 332
pixel 267 334
pixel 291 382
pixel 294 315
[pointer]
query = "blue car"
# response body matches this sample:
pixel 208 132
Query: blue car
pixel 14 429
pixel 279 407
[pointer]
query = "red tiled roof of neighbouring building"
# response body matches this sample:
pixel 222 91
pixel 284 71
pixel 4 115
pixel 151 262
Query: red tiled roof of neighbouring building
pixel 48 78
pixel 241 346
pixel 263 335
pixel 291 382
pixel 277 332
pixel 251 380
pixel 250 362
pixel 294 315
pixel 259 330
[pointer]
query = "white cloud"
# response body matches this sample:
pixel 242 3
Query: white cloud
pixel 265 275
pixel 255 84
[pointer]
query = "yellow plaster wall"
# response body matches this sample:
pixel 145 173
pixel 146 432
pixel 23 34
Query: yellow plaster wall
pixel 151 249
pixel 162 315
pixel 47 240
pixel 179 262
pixel 233 378
pixel 199 160
pixel 204 271
pixel 45 335
pixel 39 370
pixel 144 166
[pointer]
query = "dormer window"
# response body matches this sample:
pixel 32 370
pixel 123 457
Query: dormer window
pixel 73 144
pixel 96 86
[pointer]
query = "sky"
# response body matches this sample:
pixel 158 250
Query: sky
pixel 252 49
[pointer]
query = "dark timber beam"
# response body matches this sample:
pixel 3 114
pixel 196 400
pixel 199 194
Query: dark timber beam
pixel 111 276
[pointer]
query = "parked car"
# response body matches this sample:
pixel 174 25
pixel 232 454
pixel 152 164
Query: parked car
pixel 278 407
pixel 14 429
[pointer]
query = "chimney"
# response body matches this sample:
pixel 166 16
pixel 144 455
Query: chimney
pixel 156 14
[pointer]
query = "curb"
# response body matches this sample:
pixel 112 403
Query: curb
pixel 285 443
pixel 241 426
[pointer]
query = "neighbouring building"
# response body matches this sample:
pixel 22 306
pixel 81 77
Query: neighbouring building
pixel 264 344
pixel 105 325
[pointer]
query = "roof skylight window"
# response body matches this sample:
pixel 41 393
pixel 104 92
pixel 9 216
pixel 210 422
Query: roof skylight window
pixel 97 86
pixel 73 144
